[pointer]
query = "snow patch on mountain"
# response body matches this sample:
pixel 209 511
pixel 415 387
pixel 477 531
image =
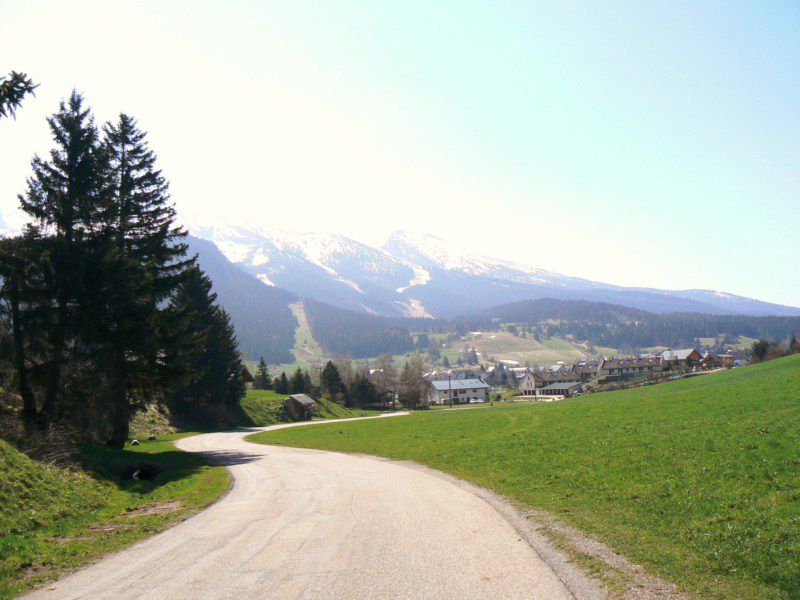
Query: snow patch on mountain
pixel 421 277
pixel 265 280
pixel 414 308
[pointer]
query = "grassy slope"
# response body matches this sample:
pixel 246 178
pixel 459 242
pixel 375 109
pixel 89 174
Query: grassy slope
pixel 265 407
pixel 53 520
pixel 696 479
pixel 506 346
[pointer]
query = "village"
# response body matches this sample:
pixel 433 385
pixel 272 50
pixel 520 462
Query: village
pixel 479 383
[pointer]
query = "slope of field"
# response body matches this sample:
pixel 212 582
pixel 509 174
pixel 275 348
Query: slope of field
pixel 265 407
pixel 54 519
pixel 695 479
pixel 502 345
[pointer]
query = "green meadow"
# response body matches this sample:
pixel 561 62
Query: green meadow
pixel 698 480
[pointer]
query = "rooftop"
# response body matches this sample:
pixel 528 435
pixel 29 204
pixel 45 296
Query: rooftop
pixel 459 384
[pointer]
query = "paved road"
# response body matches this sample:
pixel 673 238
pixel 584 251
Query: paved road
pixel 311 524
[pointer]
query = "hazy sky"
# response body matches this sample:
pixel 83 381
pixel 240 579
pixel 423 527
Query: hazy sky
pixel 633 143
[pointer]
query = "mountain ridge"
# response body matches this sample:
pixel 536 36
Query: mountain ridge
pixel 421 274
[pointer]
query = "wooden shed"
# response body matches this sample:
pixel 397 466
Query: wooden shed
pixel 247 378
pixel 300 407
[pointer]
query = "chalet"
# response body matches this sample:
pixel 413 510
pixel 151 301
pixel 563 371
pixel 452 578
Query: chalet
pixel 458 391
pixel 683 358
pixel 300 407
pixel 619 367
pixel 726 360
pixel 710 361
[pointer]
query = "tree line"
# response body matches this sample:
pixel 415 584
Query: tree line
pixel 101 309
pixel 615 326
pixel 357 386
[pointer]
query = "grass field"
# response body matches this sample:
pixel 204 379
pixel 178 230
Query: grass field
pixel 698 480
pixel 506 346
pixel 53 519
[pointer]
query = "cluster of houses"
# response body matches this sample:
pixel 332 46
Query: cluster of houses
pixel 564 380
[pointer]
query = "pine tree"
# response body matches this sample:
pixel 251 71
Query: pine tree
pixel 363 392
pixel 145 265
pixel 209 359
pixel 282 384
pixel 262 378
pixel 298 382
pixel 13 89
pixel 65 200
pixel 331 382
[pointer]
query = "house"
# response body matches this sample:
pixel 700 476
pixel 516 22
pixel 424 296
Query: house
pixel 533 382
pixel 247 378
pixel 565 390
pixel 726 360
pixel 683 358
pixel 300 407
pixel 458 391
pixel 619 367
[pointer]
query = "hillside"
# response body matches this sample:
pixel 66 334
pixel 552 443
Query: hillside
pixel 261 315
pixel 613 326
pixel 260 408
pixel 502 345
pixel 266 322
pixel 695 479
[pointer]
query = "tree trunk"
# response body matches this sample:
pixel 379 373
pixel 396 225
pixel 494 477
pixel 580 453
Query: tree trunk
pixel 121 409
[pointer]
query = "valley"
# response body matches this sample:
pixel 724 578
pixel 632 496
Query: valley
pixel 694 479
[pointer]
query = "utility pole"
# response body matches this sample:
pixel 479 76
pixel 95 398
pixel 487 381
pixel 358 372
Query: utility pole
pixel 450 389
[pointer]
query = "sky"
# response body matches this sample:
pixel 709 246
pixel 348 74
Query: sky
pixel 635 143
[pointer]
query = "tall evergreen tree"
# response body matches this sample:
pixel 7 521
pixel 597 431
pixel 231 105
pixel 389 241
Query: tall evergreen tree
pixel 282 384
pixel 209 359
pixel 331 382
pixel 145 263
pixel 65 199
pixel 262 378
pixel 298 382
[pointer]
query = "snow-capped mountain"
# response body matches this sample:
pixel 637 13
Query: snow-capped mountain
pixel 325 267
pixel 422 275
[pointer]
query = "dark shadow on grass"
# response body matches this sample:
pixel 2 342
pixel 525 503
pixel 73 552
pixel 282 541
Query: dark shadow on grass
pixel 110 464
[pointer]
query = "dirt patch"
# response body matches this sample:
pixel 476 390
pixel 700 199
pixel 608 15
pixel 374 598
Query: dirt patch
pixel 34 571
pixel 159 508
pixel 620 577
pixel 109 527
pixel 66 539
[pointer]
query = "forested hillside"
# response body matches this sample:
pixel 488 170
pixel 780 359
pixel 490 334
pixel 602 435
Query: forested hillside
pixel 616 326
pixel 264 322
pixel 358 335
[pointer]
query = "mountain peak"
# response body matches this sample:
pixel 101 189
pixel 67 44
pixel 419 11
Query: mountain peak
pixel 432 275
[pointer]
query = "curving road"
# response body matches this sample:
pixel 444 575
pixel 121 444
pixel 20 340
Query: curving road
pixel 311 524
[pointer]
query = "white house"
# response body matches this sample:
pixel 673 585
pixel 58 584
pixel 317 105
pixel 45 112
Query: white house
pixel 458 391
